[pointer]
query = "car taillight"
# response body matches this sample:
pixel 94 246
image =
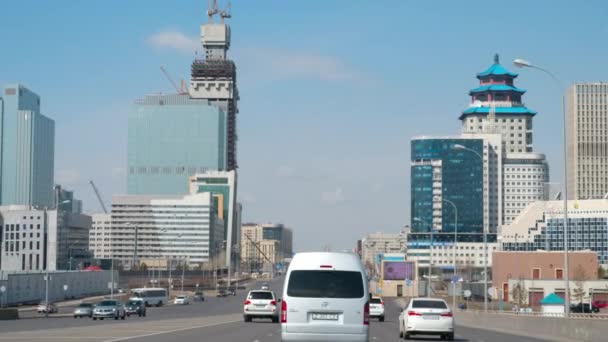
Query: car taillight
pixel 273 302
pixel 366 314
pixel 447 314
pixel 382 303
pixel 283 311
pixel 247 302
pixel 413 313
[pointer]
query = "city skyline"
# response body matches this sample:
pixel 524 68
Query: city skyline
pixel 314 182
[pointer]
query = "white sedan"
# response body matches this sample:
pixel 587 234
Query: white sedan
pixel 426 316
pixel 181 300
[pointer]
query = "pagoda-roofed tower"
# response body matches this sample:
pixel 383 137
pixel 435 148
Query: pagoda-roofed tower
pixel 497 107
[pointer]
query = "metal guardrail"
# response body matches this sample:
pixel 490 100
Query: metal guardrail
pixel 599 316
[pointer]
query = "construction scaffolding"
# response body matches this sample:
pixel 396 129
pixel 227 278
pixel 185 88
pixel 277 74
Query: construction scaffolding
pixel 218 69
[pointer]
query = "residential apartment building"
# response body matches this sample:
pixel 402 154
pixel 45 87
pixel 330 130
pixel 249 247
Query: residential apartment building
pixel 165 227
pixel 526 176
pixel 27 150
pixel 587 118
pixel 99 236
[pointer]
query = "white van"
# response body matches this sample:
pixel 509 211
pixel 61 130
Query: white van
pixel 325 298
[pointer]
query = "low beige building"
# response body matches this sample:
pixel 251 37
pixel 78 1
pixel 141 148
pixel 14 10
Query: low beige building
pixel 515 267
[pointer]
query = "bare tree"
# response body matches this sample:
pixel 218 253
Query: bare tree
pixel 519 293
pixel 579 277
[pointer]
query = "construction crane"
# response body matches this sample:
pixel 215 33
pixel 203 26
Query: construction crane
pixel 103 206
pixel 177 89
pixel 212 10
pixel 225 13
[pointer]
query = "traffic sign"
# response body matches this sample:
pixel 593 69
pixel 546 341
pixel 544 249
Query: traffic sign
pixel 467 293
pixel 408 282
pixel 455 279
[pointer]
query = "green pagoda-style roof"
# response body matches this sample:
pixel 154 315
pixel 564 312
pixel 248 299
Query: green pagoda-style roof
pixel 496 69
pixel 497 87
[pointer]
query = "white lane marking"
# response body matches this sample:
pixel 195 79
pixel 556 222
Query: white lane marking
pixel 171 331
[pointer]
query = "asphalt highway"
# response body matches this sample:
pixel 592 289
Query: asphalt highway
pixel 216 319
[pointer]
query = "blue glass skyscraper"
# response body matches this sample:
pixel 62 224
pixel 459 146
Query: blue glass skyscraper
pixel 27 149
pixel 172 137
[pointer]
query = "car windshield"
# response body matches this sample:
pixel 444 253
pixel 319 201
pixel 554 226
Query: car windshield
pixel 180 297
pixel 134 303
pixel 375 301
pixel 85 305
pixel 325 284
pixel 260 295
pixel 428 304
pixel 107 303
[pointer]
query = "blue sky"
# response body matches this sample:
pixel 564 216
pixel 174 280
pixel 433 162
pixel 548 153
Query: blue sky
pixel 331 91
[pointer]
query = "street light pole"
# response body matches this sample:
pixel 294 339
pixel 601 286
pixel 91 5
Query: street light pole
pixel 525 64
pixel 454 279
pixel 484 233
pixel 429 288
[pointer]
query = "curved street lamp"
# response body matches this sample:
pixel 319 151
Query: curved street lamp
pixel 521 63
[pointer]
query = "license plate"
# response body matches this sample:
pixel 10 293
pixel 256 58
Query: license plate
pixel 325 317
pixel 260 305
pixel 433 317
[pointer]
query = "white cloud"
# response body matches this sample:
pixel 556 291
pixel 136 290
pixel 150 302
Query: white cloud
pixel 285 64
pixel 333 197
pixel 173 39
pixel 68 177
pixel 285 171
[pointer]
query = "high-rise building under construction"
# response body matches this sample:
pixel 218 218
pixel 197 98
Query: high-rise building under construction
pixel 214 79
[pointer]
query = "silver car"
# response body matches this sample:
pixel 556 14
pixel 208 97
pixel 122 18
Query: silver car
pixel 83 310
pixel 109 308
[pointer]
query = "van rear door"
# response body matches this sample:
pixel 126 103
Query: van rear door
pixel 326 301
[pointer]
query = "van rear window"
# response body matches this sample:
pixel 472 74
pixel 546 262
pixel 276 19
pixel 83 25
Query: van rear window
pixel 325 284
pixel 375 301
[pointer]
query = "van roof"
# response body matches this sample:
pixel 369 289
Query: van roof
pixel 337 261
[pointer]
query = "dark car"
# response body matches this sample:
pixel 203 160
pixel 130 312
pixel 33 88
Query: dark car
pixel 232 291
pixel 222 293
pixel 199 296
pixel 584 308
pixel 136 307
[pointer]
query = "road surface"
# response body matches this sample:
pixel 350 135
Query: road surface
pixel 216 319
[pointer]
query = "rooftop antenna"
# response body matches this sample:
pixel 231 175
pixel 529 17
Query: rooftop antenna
pixel 225 13
pixel 212 10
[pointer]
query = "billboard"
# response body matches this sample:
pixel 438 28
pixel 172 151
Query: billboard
pixel 399 270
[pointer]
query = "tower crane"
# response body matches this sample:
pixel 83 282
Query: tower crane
pixel 225 13
pixel 212 10
pixel 177 89
pixel 103 206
